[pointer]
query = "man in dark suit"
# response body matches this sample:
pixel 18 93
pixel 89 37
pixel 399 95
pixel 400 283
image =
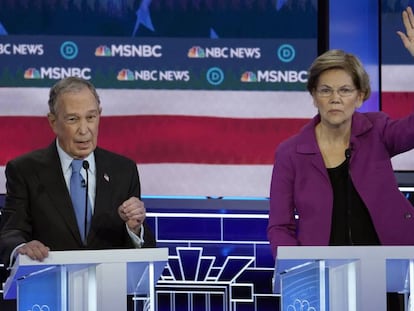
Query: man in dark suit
pixel 39 216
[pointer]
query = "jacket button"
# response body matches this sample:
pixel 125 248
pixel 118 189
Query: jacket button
pixel 407 215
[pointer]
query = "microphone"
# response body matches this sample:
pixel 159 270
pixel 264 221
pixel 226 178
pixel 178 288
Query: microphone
pixel 348 153
pixel 85 165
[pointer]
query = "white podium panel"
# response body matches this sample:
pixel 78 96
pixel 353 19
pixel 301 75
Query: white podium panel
pixel 86 280
pixel 340 278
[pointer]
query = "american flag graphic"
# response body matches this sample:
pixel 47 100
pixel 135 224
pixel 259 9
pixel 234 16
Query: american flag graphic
pixel 208 143
pixel 397 100
pixel 192 143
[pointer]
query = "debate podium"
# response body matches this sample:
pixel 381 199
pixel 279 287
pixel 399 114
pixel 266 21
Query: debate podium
pixel 338 278
pixel 87 280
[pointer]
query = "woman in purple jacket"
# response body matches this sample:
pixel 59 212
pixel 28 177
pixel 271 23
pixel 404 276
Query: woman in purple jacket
pixel 333 182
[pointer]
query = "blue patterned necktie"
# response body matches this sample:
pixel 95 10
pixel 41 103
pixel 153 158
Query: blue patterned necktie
pixel 78 195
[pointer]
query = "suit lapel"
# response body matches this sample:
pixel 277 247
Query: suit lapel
pixel 103 197
pixel 103 180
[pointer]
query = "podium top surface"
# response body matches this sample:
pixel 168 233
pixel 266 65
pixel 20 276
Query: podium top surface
pixel 96 257
pixel 345 252
pixel 380 262
pixel 79 259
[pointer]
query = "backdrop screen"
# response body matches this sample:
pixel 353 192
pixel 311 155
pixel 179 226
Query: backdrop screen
pixel 397 97
pixel 198 92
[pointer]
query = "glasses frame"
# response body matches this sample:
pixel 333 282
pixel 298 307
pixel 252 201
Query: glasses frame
pixel 326 92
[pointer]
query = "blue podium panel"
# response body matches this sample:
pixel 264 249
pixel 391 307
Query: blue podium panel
pixel 89 280
pixel 359 276
pixel 42 291
pixel 305 287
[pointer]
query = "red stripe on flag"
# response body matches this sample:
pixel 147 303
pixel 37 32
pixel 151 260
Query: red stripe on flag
pixel 397 104
pixel 164 139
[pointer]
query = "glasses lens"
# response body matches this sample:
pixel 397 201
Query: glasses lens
pixel 328 92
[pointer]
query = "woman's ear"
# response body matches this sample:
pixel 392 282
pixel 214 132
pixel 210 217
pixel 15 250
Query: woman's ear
pixel 360 99
pixel 315 103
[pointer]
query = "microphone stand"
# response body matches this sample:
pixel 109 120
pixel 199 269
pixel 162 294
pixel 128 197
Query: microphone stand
pixel 348 153
pixel 85 165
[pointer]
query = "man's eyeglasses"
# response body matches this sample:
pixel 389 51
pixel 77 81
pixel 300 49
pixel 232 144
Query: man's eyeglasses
pixel 328 92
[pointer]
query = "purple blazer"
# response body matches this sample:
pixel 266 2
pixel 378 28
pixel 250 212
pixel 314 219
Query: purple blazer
pixel 300 183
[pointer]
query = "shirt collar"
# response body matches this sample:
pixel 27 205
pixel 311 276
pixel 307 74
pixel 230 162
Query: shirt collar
pixel 66 160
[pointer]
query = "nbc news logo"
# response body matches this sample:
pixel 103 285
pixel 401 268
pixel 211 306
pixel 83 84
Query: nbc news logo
pixel 224 52
pixel 153 75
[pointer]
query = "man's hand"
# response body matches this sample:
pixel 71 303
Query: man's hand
pixel 408 37
pixel 132 212
pixel 35 250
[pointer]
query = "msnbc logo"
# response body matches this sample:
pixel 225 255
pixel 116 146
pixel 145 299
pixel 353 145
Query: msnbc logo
pixel 32 73
pixel 125 75
pixel 103 50
pixel 196 52
pixel 248 76
pixel 57 73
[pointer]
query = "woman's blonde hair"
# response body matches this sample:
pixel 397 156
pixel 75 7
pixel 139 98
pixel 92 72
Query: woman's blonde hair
pixel 338 59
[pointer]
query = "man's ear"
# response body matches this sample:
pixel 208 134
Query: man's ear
pixel 52 121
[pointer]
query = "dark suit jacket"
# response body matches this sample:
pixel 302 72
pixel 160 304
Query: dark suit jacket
pixel 38 204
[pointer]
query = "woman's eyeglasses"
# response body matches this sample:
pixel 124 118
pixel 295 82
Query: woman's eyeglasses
pixel 328 92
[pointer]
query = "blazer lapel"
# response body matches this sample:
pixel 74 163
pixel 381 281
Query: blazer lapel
pixel 308 146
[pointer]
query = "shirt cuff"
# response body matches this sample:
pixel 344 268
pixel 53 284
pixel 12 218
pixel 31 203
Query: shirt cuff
pixel 138 241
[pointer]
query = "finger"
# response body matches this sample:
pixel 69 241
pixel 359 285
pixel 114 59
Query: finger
pixel 404 39
pixel 137 216
pixel 131 201
pixel 35 250
pixel 122 214
pixel 134 209
pixel 39 254
pixel 133 215
pixel 410 16
pixel 408 20
pixel 29 252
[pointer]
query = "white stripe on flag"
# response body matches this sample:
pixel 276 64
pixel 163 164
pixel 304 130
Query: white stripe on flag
pixel 115 102
pixel 198 180
pixel 397 78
